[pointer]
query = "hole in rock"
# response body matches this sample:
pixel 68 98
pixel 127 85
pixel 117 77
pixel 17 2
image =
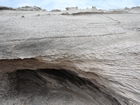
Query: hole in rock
pixel 51 87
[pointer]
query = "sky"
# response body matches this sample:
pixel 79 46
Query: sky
pixel 61 4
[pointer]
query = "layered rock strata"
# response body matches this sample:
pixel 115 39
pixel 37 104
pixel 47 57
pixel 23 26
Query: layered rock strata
pixel 54 59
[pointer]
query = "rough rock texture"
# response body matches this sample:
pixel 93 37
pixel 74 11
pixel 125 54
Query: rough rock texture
pixel 71 8
pixel 53 87
pixel 89 59
pixel 29 8
pixel 6 8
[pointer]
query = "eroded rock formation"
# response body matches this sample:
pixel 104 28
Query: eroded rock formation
pixel 29 8
pixel 89 59
pixel 6 8
pixel 53 87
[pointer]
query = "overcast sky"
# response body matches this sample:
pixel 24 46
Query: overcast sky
pixel 61 4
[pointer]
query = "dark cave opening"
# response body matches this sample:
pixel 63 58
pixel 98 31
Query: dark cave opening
pixel 62 77
pixel 54 87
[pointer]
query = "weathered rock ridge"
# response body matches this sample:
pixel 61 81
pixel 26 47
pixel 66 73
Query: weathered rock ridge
pixel 48 58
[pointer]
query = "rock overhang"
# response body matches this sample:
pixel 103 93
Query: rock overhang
pixel 103 48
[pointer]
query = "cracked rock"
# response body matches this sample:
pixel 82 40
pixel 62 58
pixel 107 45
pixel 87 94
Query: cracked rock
pixel 82 59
